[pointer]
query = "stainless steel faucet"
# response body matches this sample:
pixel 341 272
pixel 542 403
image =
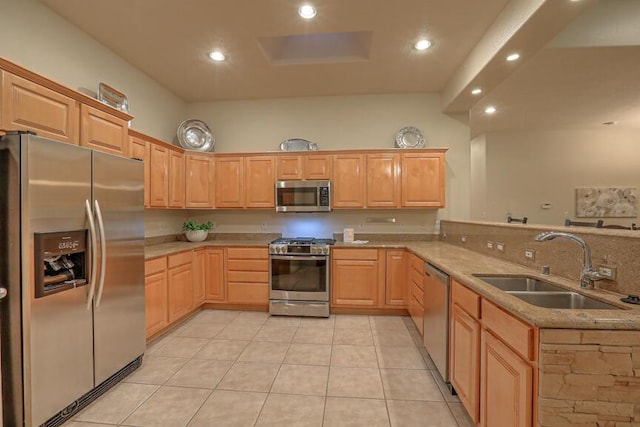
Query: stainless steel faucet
pixel 588 275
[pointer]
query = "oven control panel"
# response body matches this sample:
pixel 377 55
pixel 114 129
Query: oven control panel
pixel 285 249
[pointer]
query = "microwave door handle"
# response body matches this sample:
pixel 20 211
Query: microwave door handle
pixel 103 253
pixel 94 254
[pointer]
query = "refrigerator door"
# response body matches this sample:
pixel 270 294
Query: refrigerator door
pixel 119 320
pixel 57 329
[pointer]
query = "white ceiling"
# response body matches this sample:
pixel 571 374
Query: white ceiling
pixel 169 40
pixel 587 75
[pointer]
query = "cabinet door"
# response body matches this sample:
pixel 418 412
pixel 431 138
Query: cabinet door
pixel 103 132
pixel 180 291
pixel 260 178
pixel 357 278
pixel 464 359
pixel 383 182
pixel 229 182
pixel 395 279
pixel 199 181
pixel 155 298
pixel 422 180
pixel 139 149
pixel 506 385
pixel 176 179
pixel 199 276
pixel 29 106
pixel 158 176
pixel 289 167
pixel 318 166
pixel 214 289
pixel 348 181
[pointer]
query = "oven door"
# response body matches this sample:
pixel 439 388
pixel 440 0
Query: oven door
pixel 299 277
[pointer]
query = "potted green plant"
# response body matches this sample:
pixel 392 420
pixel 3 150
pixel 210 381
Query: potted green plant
pixel 196 231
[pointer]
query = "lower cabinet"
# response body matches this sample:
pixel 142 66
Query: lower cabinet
pixel 415 291
pixel 356 278
pixel 493 361
pixel 247 275
pixel 180 279
pixel 155 295
pixel 395 278
pixel 199 276
pixel 214 275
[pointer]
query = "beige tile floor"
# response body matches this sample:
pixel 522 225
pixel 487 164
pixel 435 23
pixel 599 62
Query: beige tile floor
pixel 233 368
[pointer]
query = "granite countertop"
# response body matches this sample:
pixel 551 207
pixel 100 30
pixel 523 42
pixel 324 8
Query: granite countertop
pixel 462 264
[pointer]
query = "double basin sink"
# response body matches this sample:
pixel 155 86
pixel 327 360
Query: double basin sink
pixel 544 294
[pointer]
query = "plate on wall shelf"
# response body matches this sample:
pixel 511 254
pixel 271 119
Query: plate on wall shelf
pixel 298 144
pixel 410 137
pixel 195 135
pixel 112 97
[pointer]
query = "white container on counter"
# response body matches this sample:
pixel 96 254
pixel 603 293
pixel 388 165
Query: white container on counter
pixel 348 235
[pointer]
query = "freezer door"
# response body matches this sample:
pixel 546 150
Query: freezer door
pixel 57 329
pixel 119 321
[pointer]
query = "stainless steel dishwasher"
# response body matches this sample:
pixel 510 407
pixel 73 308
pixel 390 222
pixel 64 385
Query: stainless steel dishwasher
pixel 436 318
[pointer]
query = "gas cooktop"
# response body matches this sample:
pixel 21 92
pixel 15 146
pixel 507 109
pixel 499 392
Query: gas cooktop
pixel 303 241
pixel 301 246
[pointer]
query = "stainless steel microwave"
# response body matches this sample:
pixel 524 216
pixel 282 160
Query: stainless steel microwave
pixel 303 196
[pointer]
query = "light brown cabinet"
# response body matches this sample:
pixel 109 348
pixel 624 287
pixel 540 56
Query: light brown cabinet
pixel 423 180
pixel 318 166
pixel 176 179
pixel 199 276
pixel 180 282
pixel 247 280
pixel 158 176
pixel 289 168
pixel 103 132
pixel 383 180
pixel 348 181
pixel 259 181
pixel 155 295
pixel 29 106
pixel 415 288
pixel 395 279
pixel 357 278
pixel 199 181
pixel 214 288
pixel 229 182
pixel 140 149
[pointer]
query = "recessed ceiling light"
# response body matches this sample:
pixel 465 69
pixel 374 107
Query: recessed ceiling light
pixel 490 110
pixel 611 123
pixel 307 11
pixel 513 57
pixel 423 44
pixel 476 91
pixel 217 56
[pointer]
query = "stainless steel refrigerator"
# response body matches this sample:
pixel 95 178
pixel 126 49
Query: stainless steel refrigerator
pixel 72 261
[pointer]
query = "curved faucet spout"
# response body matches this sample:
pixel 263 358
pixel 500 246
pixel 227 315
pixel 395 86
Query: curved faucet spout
pixel 588 274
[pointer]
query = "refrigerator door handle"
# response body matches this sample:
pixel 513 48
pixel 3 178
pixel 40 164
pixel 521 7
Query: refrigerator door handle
pixel 103 253
pixel 94 254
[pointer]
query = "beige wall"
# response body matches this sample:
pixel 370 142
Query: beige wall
pixel 526 169
pixel 364 121
pixel 36 38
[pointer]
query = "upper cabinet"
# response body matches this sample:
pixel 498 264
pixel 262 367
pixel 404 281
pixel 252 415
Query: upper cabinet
pixel 176 179
pixel 102 131
pixel 259 172
pixel 306 166
pixel 289 168
pixel 141 150
pixel 159 176
pixel 229 182
pixel 199 181
pixel 423 179
pixel 383 180
pixel 348 180
pixel 29 106
pixel 318 166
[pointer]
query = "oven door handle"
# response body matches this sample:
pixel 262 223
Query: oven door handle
pixel 300 258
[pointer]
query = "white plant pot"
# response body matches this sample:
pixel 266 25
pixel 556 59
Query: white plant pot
pixel 196 235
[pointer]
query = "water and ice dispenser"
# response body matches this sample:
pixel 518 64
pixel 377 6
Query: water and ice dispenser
pixel 61 260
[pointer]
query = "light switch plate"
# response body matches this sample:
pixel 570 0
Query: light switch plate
pixel 500 247
pixel 607 272
pixel 530 254
pixel 489 244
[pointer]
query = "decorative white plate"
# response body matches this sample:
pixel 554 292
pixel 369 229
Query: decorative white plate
pixel 409 137
pixel 195 135
pixel 298 144
pixel 114 98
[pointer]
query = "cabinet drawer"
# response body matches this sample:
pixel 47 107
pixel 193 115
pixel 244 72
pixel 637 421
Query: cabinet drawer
pixel 247 253
pixel 468 300
pixel 416 278
pixel 248 276
pixel 248 293
pixel 417 293
pixel 180 259
pixel 247 265
pixel 355 254
pixel 417 264
pixel 516 333
pixel 154 266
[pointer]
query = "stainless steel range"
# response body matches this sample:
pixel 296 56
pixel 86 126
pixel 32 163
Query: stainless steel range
pixel 299 276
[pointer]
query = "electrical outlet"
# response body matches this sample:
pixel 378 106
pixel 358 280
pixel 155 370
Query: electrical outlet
pixel 489 244
pixel 463 239
pixel 607 272
pixel 500 247
pixel 530 254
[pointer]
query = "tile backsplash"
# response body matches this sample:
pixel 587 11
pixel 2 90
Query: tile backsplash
pixel 610 248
